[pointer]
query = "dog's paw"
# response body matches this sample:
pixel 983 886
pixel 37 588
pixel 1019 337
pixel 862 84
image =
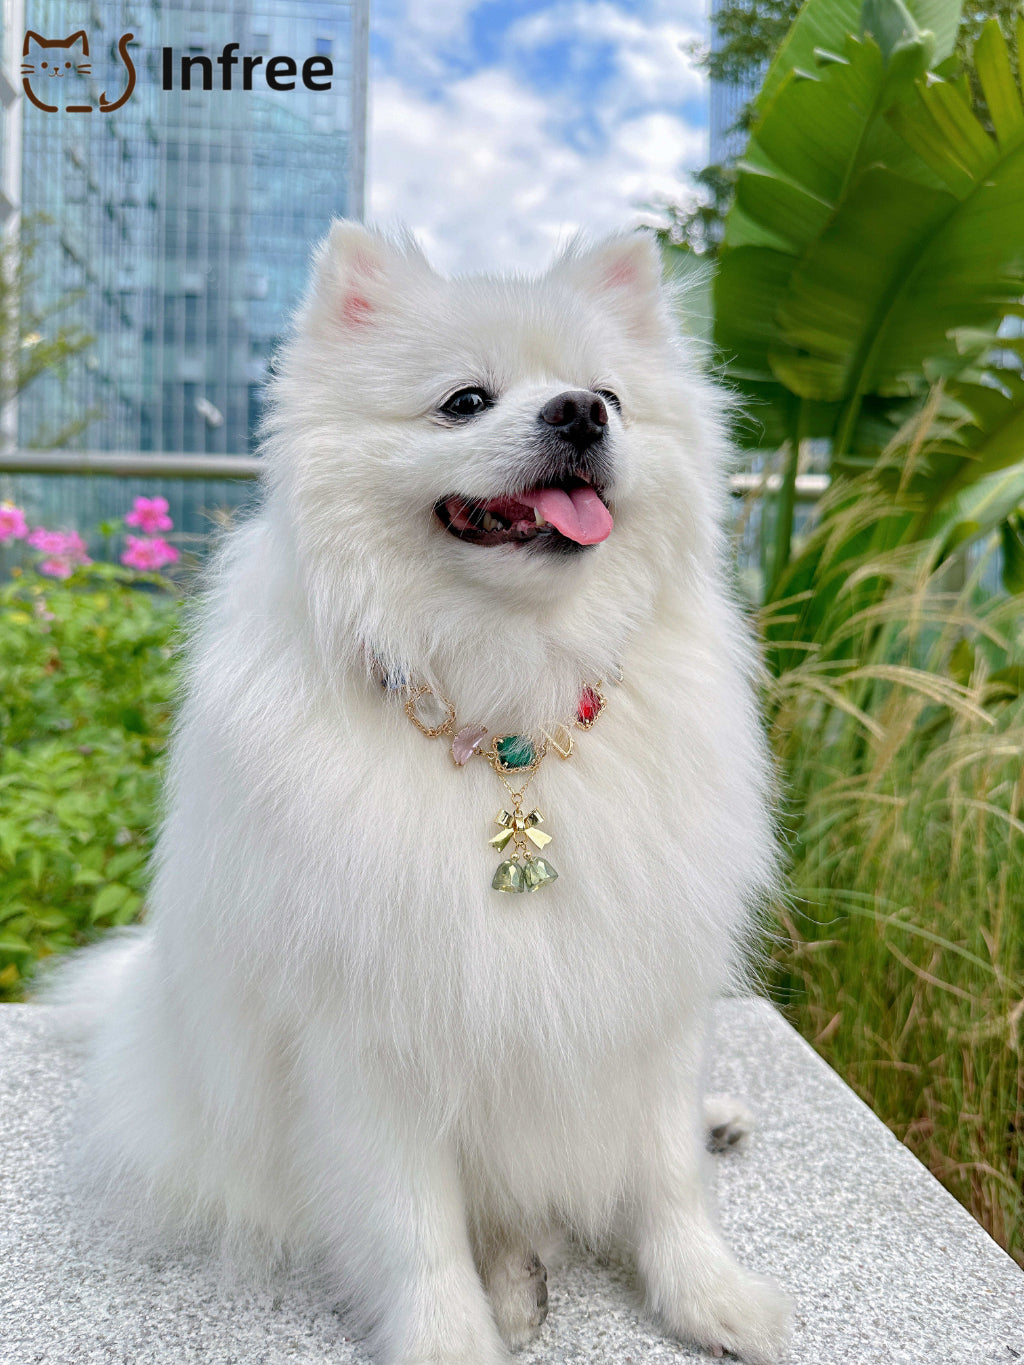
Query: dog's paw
pixel 518 1289
pixel 745 1314
pixel 727 1123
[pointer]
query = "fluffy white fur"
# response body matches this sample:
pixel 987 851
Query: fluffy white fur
pixel 331 1033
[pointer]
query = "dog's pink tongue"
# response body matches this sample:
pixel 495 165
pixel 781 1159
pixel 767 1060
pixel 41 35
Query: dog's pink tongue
pixel 579 514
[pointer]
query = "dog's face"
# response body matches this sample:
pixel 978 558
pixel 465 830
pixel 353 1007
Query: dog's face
pixel 450 449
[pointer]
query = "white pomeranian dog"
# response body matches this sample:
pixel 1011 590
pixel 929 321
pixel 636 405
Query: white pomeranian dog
pixel 367 1017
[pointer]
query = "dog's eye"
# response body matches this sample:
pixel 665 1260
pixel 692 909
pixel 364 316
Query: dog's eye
pixel 467 403
pixel 609 397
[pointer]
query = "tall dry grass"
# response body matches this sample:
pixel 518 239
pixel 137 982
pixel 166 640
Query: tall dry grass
pixel 899 723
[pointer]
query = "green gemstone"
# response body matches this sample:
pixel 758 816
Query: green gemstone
pixel 516 751
pixel 537 873
pixel 509 877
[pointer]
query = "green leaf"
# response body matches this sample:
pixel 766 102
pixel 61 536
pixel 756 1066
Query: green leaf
pixel 36 866
pixel 804 160
pixel 992 62
pixel 889 284
pixel 976 510
pixel 10 840
pixel 127 860
pixel 825 24
pixel 846 287
pixel 86 876
pixel 748 286
pixel 992 439
pixel 128 910
pixel 109 900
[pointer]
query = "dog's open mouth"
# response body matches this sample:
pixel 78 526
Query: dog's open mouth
pixel 562 515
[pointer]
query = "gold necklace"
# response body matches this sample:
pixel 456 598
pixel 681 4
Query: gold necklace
pixel 525 870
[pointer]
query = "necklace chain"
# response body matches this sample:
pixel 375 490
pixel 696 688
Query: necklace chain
pixel 526 870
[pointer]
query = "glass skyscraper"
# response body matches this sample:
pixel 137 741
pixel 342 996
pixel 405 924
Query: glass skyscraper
pixel 180 223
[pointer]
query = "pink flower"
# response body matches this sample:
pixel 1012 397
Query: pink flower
pixel 57 568
pixel 149 515
pixel 63 550
pixel 50 542
pixel 143 553
pixel 12 522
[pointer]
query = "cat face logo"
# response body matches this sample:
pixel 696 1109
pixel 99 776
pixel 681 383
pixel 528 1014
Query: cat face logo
pixel 50 62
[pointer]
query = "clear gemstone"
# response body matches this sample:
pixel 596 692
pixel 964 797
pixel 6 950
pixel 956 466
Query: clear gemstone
pixel 561 741
pixel 430 714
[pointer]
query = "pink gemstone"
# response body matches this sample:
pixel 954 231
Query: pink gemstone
pixel 467 741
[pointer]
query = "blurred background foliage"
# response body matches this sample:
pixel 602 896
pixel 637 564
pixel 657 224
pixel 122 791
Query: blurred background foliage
pixel 88 675
pixel 865 307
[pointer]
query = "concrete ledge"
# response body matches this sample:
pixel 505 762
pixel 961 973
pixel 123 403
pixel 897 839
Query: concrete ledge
pixel 884 1265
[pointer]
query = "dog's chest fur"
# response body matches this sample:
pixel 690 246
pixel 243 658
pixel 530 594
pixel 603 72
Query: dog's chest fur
pixel 373 872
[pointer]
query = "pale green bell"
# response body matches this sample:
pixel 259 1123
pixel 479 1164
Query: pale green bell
pixel 509 877
pixel 538 872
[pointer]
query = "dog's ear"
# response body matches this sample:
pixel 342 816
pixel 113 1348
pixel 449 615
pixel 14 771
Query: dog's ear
pixel 360 271
pixel 624 272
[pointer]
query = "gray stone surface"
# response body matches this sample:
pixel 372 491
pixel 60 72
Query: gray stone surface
pixel 882 1263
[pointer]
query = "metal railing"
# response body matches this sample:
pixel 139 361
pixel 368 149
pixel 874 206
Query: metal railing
pixel 161 465
pixel 130 464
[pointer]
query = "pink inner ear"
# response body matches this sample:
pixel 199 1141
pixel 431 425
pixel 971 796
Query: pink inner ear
pixel 356 310
pixel 621 275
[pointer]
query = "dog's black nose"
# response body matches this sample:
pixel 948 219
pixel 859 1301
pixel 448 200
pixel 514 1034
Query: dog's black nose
pixel 577 415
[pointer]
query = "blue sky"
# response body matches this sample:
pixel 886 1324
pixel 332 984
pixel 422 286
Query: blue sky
pixel 499 129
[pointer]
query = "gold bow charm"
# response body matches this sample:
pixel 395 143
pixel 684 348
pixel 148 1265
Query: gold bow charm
pixel 511 825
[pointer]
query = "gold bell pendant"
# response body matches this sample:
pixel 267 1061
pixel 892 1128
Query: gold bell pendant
pixel 530 876
pixel 532 872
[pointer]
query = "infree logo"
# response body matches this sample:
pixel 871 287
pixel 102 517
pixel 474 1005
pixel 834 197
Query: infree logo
pixel 50 67
pixel 55 72
pixel 279 72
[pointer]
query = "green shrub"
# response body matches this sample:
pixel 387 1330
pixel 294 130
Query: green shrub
pixel 86 679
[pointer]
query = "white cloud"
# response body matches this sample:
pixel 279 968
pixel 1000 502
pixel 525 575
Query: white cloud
pixel 486 181
pixel 651 53
pixel 493 173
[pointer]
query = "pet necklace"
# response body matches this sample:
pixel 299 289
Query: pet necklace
pixel 526 870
